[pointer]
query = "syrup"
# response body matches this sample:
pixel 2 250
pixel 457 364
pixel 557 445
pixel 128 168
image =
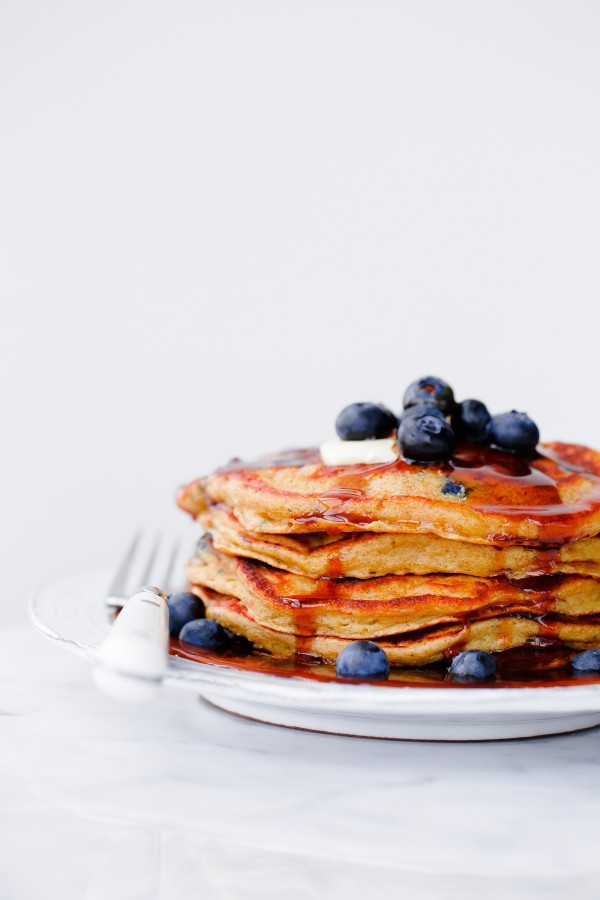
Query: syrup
pixel 334 564
pixel 539 664
pixel 303 613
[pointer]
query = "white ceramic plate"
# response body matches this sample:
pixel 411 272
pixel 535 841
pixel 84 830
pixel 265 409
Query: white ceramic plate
pixel 74 613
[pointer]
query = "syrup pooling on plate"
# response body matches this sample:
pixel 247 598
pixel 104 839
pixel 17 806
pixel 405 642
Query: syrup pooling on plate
pixel 535 666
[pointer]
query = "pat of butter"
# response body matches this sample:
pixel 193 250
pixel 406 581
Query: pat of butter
pixel 349 453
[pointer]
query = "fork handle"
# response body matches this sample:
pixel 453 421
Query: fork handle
pixel 132 661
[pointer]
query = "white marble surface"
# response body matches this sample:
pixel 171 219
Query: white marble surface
pixel 100 800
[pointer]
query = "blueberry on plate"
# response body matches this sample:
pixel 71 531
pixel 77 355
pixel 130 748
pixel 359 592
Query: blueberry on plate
pixel 425 439
pixel 362 659
pixel 183 607
pixel 361 421
pixel 588 661
pixel 514 431
pixel 471 421
pixel 473 664
pixel 431 391
pixel 205 633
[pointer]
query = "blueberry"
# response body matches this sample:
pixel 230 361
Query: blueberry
pixel 362 659
pixel 514 431
pixel 473 664
pixel 205 633
pixel 426 439
pixel 183 607
pixel 238 644
pixel 588 661
pixel 454 488
pixel 471 421
pixel 361 421
pixel 422 409
pixel 431 391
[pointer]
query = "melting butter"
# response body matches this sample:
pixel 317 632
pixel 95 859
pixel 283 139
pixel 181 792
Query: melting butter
pixel 349 453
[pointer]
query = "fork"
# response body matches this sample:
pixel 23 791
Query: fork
pixel 131 662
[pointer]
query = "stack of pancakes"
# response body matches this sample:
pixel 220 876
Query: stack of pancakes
pixel 490 551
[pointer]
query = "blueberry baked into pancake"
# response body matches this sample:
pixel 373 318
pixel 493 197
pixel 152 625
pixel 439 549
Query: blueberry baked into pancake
pixel 441 537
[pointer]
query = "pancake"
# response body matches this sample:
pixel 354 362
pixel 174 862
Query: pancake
pixel 390 605
pixel 372 554
pixel 414 649
pixel 489 551
pixel 482 495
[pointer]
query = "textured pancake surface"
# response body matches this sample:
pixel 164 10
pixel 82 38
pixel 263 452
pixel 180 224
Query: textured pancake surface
pixel 483 495
pixel 372 554
pixel 390 605
pixel 415 648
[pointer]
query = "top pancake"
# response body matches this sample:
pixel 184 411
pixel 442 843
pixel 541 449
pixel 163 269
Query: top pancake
pixel 482 495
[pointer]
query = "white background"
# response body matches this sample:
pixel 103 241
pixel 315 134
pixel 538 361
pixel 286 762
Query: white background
pixel 222 221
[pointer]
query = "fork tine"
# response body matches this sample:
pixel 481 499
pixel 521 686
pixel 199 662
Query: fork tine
pixel 171 565
pixel 118 587
pixel 145 576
